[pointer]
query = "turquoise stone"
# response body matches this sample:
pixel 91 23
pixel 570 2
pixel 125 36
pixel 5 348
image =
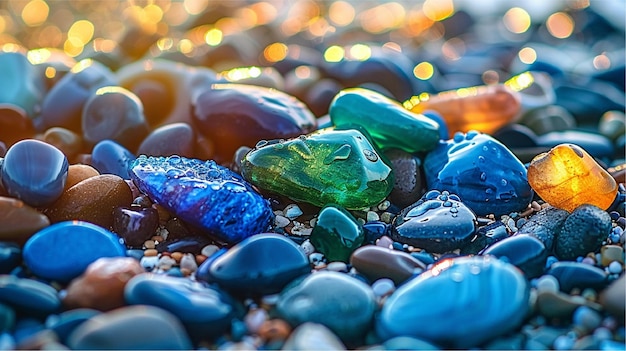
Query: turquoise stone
pixel 481 171
pixel 20 84
pixel 389 124
pixel 337 234
pixel 325 167
pixel 458 304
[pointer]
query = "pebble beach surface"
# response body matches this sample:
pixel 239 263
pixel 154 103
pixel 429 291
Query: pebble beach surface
pixel 329 175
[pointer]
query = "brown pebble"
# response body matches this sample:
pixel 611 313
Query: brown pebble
pixel 274 330
pixel 92 200
pixel 164 215
pixel 376 262
pixel 77 173
pixel 610 253
pixel 200 259
pixel 150 252
pixel 102 285
pixel 69 142
pixel 613 298
pixel 177 256
pixel 18 221
pixel 149 244
pixel 559 305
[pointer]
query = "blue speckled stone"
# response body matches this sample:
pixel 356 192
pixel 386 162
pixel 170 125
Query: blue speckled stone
pixel 438 222
pixel 571 274
pixel 525 252
pixel 28 296
pixel 206 312
pixel 259 265
pixel 459 303
pixel 109 157
pixel 205 194
pixel 34 172
pixel 343 304
pixel 481 171
pixel 63 250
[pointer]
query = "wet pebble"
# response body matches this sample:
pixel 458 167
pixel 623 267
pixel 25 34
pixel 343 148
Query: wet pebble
pixel 101 287
pixel 439 222
pixel 330 299
pixel 34 172
pixel 435 292
pixel 135 224
pixel 168 140
pixel 205 194
pixel 375 262
pixel 409 181
pixel 523 251
pixel 336 233
pixel 545 225
pixel 109 157
pixel 206 312
pixel 308 334
pixel 10 256
pixel 578 275
pixel 91 200
pixel 131 328
pixel 76 173
pixel 558 305
pixel 64 250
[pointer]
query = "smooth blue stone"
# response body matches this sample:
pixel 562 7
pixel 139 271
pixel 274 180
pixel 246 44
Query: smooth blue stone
pixel 526 252
pixel 109 157
pixel 34 172
pixel 485 236
pixel 206 312
pixel 579 275
pixel 343 304
pixel 63 250
pixel 10 257
pixel 481 171
pixel 408 343
pixel 204 194
pixel 438 222
pixel 28 297
pixel 7 318
pixel 597 145
pixel 26 328
pixel 459 303
pixel 63 324
pixel 262 264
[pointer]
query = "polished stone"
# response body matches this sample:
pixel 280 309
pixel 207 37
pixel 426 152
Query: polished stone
pixel 336 233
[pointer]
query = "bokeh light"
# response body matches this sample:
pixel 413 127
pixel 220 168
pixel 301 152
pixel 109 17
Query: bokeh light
pixel 560 25
pixel 517 20
pixel 423 70
pixel 341 13
pixel 334 54
pixel 35 13
pixel 527 55
pixel 275 52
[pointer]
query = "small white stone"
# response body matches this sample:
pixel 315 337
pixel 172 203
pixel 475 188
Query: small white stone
pixel 386 217
pixel 383 287
pixel 292 211
pixel 547 283
pixel 162 232
pixel 188 261
pixel 255 318
pixel 615 267
pixel 301 231
pixel 281 221
pixel 313 221
pixel 166 261
pixel 149 262
pixel 209 250
pixel 307 247
pixel 372 216
pixel 360 220
pixel 337 266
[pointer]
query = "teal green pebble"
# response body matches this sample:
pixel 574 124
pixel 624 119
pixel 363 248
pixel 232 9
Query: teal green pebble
pixel 325 167
pixel 28 297
pixel 458 304
pixel 389 124
pixel 343 304
pixel 337 234
pixel 62 251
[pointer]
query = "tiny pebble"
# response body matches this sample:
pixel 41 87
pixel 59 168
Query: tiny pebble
pixel 316 258
pixel 149 244
pixel 550 260
pixel 281 221
pixel 307 247
pixel 337 266
pixel 209 250
pixel 166 262
pixel 149 262
pixel 188 262
pixel 372 216
pixel 177 256
pixel 254 319
pixel 386 217
pixel 383 287
pixel 587 318
pixel 150 252
pixel 563 342
pixel 589 260
pixel 383 206
pixel 292 211
pixel 615 267
pixel 547 283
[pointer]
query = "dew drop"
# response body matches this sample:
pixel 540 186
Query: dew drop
pixel 483 176
pixel 370 155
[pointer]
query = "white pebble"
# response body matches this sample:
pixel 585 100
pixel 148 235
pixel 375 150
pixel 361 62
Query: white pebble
pixel 188 261
pixel 547 283
pixel 307 247
pixel 149 262
pixel 292 211
pixel 255 318
pixel 337 266
pixel 383 287
pixel 386 217
pixel 209 250
pixel 303 231
pixel 372 216
pixel 281 221
pixel 615 267
pixel 166 262
pixel 313 221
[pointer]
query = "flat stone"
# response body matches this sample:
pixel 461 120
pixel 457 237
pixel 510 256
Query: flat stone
pixel 579 275
pixel 494 302
pixel 525 252
pixel 64 250
pixel 375 262
pixel 131 328
pixel 29 297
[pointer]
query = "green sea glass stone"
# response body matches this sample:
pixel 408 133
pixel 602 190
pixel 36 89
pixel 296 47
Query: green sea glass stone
pixel 389 124
pixel 336 234
pixel 328 166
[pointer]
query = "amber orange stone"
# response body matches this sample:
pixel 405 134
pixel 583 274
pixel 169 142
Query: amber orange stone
pixel 79 172
pixel 91 200
pixel 102 285
pixel 484 108
pixel 567 177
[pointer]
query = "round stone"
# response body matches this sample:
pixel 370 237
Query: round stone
pixel 494 301
pixel 34 172
pixel 523 251
pixel 110 157
pixel 341 303
pixel 168 140
pixel 64 250
pixel 77 173
pixel 583 231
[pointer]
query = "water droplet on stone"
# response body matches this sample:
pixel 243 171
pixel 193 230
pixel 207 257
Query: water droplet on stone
pixel 370 155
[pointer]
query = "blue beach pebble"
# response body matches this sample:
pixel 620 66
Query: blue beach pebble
pixel 28 297
pixel 481 171
pixel 204 194
pixel 459 303
pixel 109 157
pixel 63 250
pixel 34 172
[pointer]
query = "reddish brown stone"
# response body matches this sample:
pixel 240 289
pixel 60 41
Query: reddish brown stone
pixel 376 262
pixel 79 172
pixel 18 221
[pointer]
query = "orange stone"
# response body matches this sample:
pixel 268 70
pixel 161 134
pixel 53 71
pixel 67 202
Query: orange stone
pixel 102 285
pixel 79 172
pixel 567 177
pixel 484 108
